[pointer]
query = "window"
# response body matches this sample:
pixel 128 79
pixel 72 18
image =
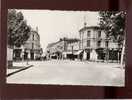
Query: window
pixel 88 33
pixel 99 33
pixel 33 36
pixel 107 43
pixel 99 43
pixel 88 43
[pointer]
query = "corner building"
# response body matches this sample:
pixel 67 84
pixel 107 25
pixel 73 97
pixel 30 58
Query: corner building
pixel 96 45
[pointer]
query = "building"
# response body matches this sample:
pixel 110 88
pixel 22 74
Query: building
pixel 72 49
pixel 55 50
pixel 96 45
pixel 92 45
pixel 62 49
pixel 31 50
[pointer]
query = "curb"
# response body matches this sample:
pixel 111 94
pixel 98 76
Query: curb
pixel 19 70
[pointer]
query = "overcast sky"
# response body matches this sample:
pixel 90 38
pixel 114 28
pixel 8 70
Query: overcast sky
pixel 54 24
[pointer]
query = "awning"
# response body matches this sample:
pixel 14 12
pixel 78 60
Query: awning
pixel 78 52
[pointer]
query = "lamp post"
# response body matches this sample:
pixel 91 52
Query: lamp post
pixel 27 56
pixel 72 53
pixel 32 56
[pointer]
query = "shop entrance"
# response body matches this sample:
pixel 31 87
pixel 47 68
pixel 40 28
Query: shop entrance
pixel 32 56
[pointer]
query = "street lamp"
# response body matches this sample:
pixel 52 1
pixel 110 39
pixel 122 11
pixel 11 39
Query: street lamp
pixel 72 53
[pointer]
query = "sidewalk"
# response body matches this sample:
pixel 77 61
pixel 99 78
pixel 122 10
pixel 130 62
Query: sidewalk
pixel 93 63
pixel 17 67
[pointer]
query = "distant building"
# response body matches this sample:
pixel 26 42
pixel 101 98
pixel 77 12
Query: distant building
pixel 73 46
pixel 62 49
pixel 55 50
pixel 96 45
pixel 31 50
pixel 72 49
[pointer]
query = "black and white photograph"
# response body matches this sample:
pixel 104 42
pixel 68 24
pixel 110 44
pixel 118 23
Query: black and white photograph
pixel 61 47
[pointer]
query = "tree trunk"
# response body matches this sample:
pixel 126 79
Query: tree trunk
pixel 123 53
pixel 107 55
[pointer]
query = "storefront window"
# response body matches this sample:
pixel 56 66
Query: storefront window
pixel 99 43
pixel 99 34
pixel 88 43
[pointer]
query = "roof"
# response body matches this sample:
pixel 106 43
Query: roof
pixel 72 40
pixel 64 39
pixel 89 27
pixel 50 45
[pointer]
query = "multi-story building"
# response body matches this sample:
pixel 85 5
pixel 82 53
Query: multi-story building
pixel 73 46
pixel 96 45
pixel 54 50
pixel 31 50
pixel 62 49
pixel 72 49
pixel 93 45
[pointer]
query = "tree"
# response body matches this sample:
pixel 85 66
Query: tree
pixel 18 30
pixel 113 22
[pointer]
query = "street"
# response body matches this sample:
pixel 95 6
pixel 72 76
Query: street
pixel 66 72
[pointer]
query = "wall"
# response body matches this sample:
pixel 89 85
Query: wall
pixel 34 40
pixel 10 54
pixel 113 45
pixel 94 38
pixel 74 45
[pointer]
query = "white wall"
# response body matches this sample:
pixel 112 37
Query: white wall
pixel 36 41
pixel 75 46
pixel 113 45
pixel 9 54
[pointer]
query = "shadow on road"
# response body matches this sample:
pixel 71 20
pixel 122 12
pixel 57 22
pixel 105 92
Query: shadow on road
pixel 16 67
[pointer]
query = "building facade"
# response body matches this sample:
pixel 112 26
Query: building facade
pixel 31 50
pixel 92 45
pixel 96 45
pixel 72 49
pixel 63 49
pixel 55 50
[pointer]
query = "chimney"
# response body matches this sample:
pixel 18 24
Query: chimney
pixel 85 23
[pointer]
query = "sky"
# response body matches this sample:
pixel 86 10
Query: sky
pixel 55 24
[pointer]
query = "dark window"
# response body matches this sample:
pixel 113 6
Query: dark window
pixel 33 36
pixel 88 43
pixel 107 43
pixel 88 33
pixel 99 33
pixel 99 43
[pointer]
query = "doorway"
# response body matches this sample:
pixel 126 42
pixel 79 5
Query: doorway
pixel 32 55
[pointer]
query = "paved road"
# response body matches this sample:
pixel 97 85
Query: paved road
pixel 70 73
